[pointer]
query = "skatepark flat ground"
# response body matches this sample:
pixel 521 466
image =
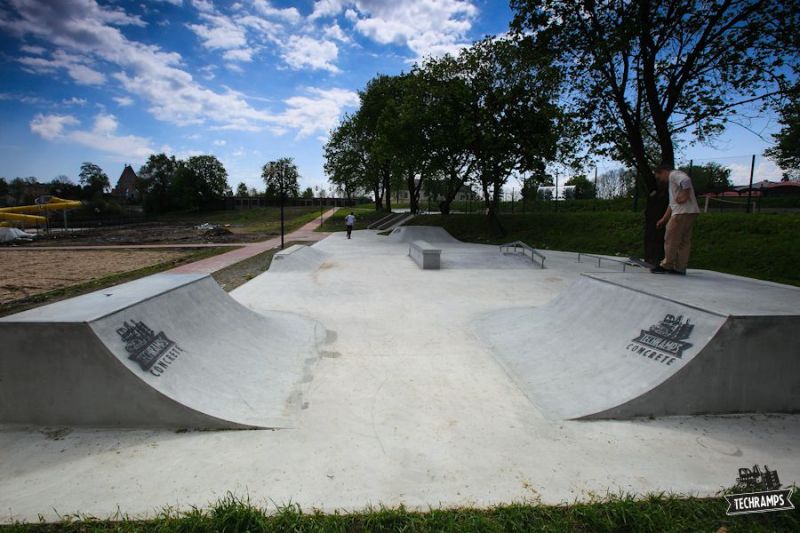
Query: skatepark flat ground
pixel 407 405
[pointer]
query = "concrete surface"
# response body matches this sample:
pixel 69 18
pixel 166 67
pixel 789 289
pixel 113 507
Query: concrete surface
pixel 603 348
pixel 170 350
pixel 407 405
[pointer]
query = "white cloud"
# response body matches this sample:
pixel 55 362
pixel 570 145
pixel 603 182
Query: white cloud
pixel 35 50
pixel 101 137
pixel 318 112
pixel 334 31
pixel 304 51
pixel 219 32
pixel 289 14
pixel 244 55
pixel 426 27
pixel 75 65
pixel 74 101
pixel 220 142
pixel 123 101
pixel 51 126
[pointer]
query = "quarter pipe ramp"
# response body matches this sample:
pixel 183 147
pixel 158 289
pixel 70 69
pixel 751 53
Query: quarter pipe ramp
pixel 170 350
pixel 630 345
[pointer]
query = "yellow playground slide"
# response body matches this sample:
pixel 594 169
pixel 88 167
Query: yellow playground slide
pixel 26 213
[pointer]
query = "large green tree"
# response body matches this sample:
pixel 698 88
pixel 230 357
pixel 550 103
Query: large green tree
pixel 156 178
pixel 281 178
pixel 786 151
pixel 95 182
pixel 200 182
pixel 648 74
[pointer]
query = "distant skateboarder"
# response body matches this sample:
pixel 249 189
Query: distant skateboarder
pixel 349 220
pixel 679 219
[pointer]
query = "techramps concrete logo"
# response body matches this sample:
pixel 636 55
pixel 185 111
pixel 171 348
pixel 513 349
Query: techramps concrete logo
pixel 764 493
pixel 154 352
pixel 165 351
pixel 665 341
pixel 706 344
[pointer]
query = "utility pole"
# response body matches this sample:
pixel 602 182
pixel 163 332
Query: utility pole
pixel 750 189
pixel 555 196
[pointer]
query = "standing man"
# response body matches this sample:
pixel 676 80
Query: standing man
pixel 679 219
pixel 349 220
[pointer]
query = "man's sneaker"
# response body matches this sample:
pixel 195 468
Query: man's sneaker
pixel 678 272
pixel 659 270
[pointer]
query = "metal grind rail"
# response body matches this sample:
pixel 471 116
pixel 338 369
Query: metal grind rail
pixel 525 249
pixel 600 259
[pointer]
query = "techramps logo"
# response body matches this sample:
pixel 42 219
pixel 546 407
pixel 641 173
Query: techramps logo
pixel 665 341
pixel 154 352
pixel 765 493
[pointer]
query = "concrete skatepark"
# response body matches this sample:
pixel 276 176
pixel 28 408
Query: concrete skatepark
pixel 488 381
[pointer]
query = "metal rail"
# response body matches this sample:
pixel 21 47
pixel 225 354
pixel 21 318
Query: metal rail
pixel 381 221
pixel 519 245
pixel 600 259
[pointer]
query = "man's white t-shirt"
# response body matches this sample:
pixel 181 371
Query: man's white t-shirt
pixel 349 220
pixel 678 181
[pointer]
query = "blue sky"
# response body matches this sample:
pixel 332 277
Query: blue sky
pixel 248 81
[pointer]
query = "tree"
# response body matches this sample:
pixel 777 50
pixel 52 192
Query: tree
pixel 786 152
pixel 348 163
pixel 584 189
pixel 200 182
pixel 241 189
pixel 616 183
pixel 647 73
pixel 156 183
pixel 308 193
pixel 515 121
pixel 63 186
pixel 3 190
pixel 711 177
pixel 95 182
pixel 281 177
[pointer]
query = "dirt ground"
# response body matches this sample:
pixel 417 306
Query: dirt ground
pixel 25 273
pixel 150 233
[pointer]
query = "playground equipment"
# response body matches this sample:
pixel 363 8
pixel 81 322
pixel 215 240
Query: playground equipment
pixel 28 213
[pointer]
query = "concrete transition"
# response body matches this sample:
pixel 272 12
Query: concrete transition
pixel 629 345
pixel 170 350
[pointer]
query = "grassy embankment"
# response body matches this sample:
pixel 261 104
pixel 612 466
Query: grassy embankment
pixel 759 246
pixel 655 513
pixel 365 215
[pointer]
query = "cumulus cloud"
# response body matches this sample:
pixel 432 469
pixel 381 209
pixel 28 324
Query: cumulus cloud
pixel 307 52
pixel 76 67
pixel 123 101
pixel 51 126
pixel 426 27
pixel 102 136
pixel 318 111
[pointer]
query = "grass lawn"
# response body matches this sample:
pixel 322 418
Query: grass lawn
pixel 365 215
pixel 759 246
pixel 654 513
pixel 256 220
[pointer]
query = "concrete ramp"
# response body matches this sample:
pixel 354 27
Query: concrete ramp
pixel 297 258
pixel 431 234
pixel 170 350
pixel 630 345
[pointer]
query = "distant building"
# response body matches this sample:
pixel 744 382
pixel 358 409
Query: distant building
pixel 127 186
pixel 772 188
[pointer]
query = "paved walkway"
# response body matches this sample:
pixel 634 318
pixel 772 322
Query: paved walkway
pixel 218 262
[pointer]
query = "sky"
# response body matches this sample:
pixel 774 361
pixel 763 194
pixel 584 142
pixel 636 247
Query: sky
pixel 248 81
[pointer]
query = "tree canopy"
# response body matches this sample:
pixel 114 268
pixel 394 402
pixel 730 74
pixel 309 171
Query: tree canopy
pixel 282 178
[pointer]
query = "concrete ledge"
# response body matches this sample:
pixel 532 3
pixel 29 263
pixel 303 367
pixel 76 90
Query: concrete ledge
pixel 425 255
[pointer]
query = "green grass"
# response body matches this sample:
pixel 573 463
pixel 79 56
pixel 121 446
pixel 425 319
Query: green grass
pixel 256 220
pixel 653 513
pixel 365 215
pixel 19 305
pixel 759 246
